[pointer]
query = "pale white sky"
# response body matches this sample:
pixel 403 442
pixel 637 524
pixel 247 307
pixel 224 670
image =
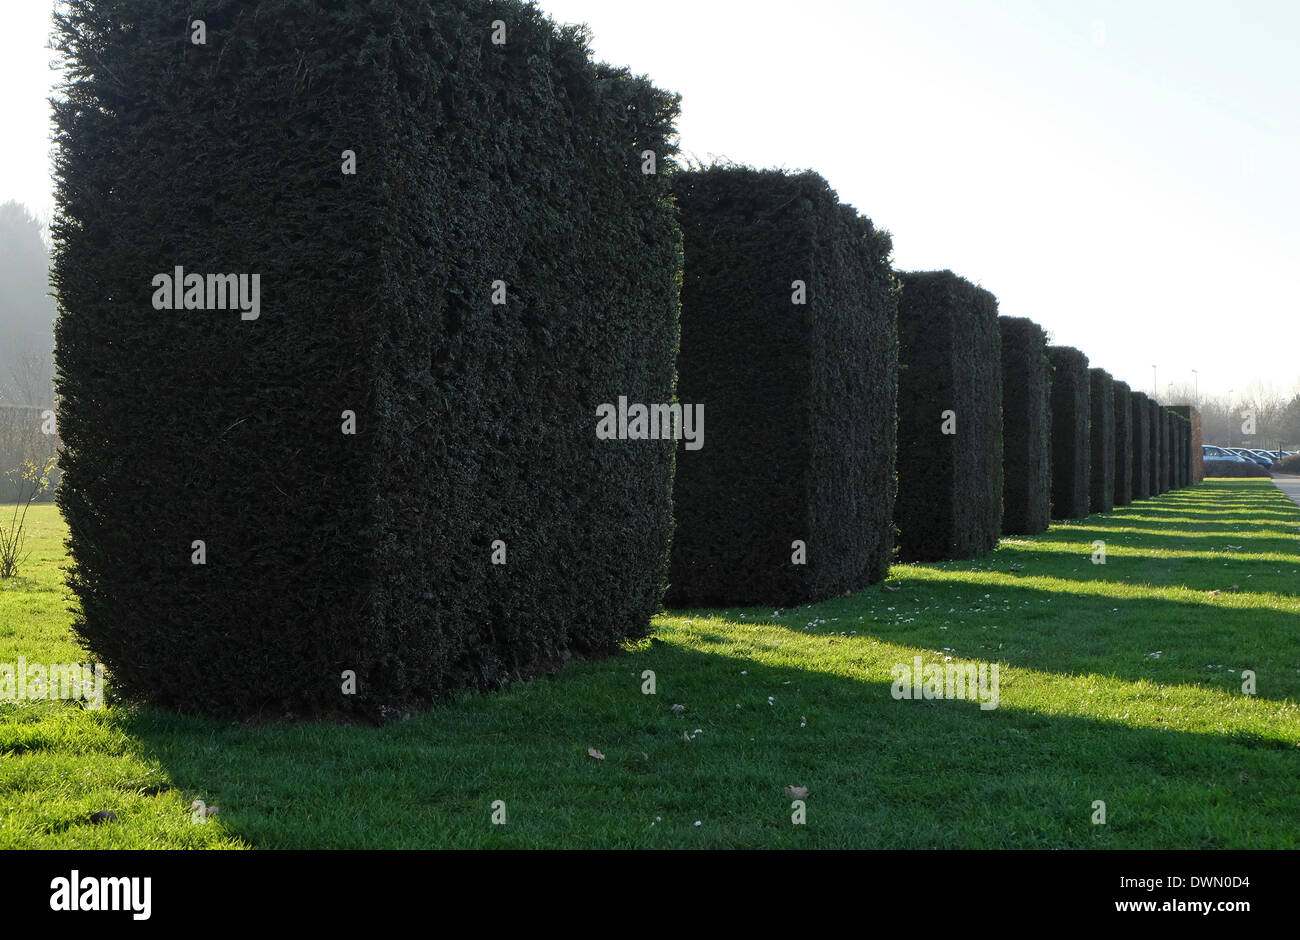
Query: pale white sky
pixel 1124 173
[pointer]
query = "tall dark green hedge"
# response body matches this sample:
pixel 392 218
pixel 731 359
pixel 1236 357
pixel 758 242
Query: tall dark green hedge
pixel 1026 427
pixel 950 380
pixel 1141 445
pixel 1102 440
pixel 1175 450
pixel 1185 479
pixel 800 398
pixel 1157 451
pixel 1123 396
pixel 1071 433
pixel 1183 436
pixel 1191 445
pixel 1166 449
pixel 371 552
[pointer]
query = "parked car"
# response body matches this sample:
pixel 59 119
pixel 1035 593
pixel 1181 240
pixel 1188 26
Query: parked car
pixel 1266 455
pixel 1250 455
pixel 1211 452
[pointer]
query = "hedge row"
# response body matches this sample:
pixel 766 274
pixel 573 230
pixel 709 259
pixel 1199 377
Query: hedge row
pixel 327 553
pixel 1102 440
pixel 1141 412
pixel 792 498
pixel 1026 427
pixel 374 484
pixel 1123 412
pixel 1248 468
pixel 1071 436
pixel 949 418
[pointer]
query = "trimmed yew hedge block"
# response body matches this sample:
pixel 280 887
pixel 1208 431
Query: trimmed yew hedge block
pixel 1142 458
pixel 344 479
pixel 1102 440
pixel 1157 451
pixel 1198 441
pixel 949 418
pixel 1123 396
pixel 1026 427
pixel 1164 427
pixel 792 497
pixel 1182 454
pixel 1071 433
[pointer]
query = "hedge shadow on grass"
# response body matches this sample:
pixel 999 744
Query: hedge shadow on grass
pixel 330 787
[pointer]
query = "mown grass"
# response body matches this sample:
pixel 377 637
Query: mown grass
pixel 1119 682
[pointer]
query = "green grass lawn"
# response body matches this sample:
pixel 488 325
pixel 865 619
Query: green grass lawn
pixel 1118 682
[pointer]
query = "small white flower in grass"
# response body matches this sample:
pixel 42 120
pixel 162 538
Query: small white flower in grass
pixel 770 700
pixel 744 672
pixel 698 823
pixel 698 731
pixel 803 722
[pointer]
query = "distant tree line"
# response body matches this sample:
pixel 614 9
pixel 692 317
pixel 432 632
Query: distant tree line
pixel 1229 419
pixel 26 346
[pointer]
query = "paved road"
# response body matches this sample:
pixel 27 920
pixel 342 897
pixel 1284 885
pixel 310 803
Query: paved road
pixel 1289 485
